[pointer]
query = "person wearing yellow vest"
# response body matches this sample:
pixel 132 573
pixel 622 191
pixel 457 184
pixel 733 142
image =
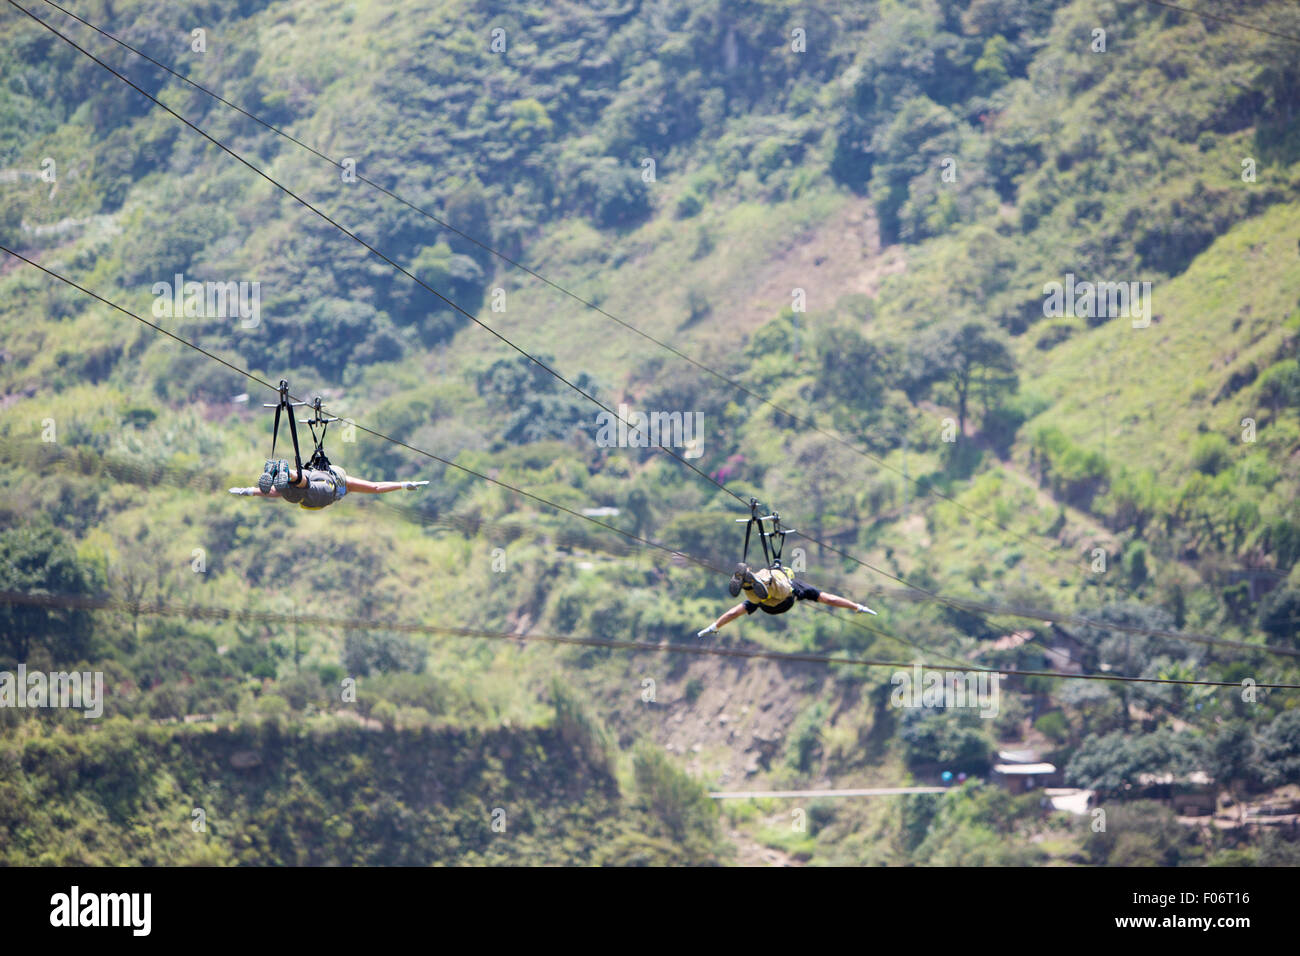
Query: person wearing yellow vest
pixel 775 591
pixel 316 488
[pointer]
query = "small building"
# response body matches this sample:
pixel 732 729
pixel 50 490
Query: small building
pixel 1190 795
pixel 1023 777
pixel 1023 770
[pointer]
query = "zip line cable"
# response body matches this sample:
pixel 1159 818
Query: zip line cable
pixel 396 441
pixel 203 612
pixel 930 594
pixel 424 285
pixel 469 471
pixel 372 249
pixel 43 456
pixel 543 501
pixel 1217 19
pixel 733 383
pixel 959 604
pixel 1053 553
pixel 415 278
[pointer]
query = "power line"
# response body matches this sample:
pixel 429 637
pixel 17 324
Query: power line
pixel 44 456
pixel 1054 617
pixel 550 504
pixel 376 252
pixel 372 249
pixel 1217 19
pixel 969 606
pixel 958 604
pixel 396 441
pixel 733 383
pixel 209 613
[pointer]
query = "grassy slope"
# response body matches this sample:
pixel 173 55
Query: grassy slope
pixel 1223 314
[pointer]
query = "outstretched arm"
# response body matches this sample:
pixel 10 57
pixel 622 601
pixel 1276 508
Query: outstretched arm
pixel 727 618
pixel 254 492
pixel 382 487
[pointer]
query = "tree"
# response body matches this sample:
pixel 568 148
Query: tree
pixel 138 568
pixel 364 652
pixel 1279 749
pixel 1112 763
pixel 1133 655
pixel 1232 759
pixel 814 484
pixel 850 375
pixel 1279 613
pixel 538 405
pixel 40 560
pixel 953 739
pixel 1142 833
pixel 963 354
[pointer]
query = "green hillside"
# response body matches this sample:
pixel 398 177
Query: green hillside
pixel 852 210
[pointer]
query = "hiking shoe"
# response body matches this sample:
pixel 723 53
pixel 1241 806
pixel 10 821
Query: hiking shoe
pixel 733 586
pixel 281 476
pixel 745 577
pixel 267 479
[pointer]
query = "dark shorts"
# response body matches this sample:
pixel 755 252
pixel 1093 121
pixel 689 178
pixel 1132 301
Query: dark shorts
pixel 322 489
pixel 802 592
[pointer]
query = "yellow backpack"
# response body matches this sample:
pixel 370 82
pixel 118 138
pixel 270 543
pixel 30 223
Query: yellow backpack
pixel 779 584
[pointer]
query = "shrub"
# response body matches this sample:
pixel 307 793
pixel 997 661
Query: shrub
pixel 1053 726
pixel 689 205
pixel 364 653
pixel 1211 454
pixel 677 801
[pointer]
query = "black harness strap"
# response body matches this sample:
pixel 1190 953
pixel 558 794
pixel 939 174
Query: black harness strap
pixel 293 427
pixel 319 461
pixel 753 513
pixel 778 540
pixel 771 549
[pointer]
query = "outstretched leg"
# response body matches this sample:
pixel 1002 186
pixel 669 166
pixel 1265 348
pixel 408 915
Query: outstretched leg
pixel 834 600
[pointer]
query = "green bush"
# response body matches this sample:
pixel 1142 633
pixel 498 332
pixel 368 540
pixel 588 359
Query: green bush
pixel 1211 454
pixel 1053 726
pixel 805 737
pixel 681 805
pixel 689 205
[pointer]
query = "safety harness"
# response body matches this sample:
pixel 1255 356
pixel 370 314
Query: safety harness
pixel 286 405
pixel 779 581
pixel 319 462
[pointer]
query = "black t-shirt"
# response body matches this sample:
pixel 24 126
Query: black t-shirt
pixel 802 592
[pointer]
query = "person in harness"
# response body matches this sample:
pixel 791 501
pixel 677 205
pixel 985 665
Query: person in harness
pixel 316 488
pixel 772 589
pixel 320 483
